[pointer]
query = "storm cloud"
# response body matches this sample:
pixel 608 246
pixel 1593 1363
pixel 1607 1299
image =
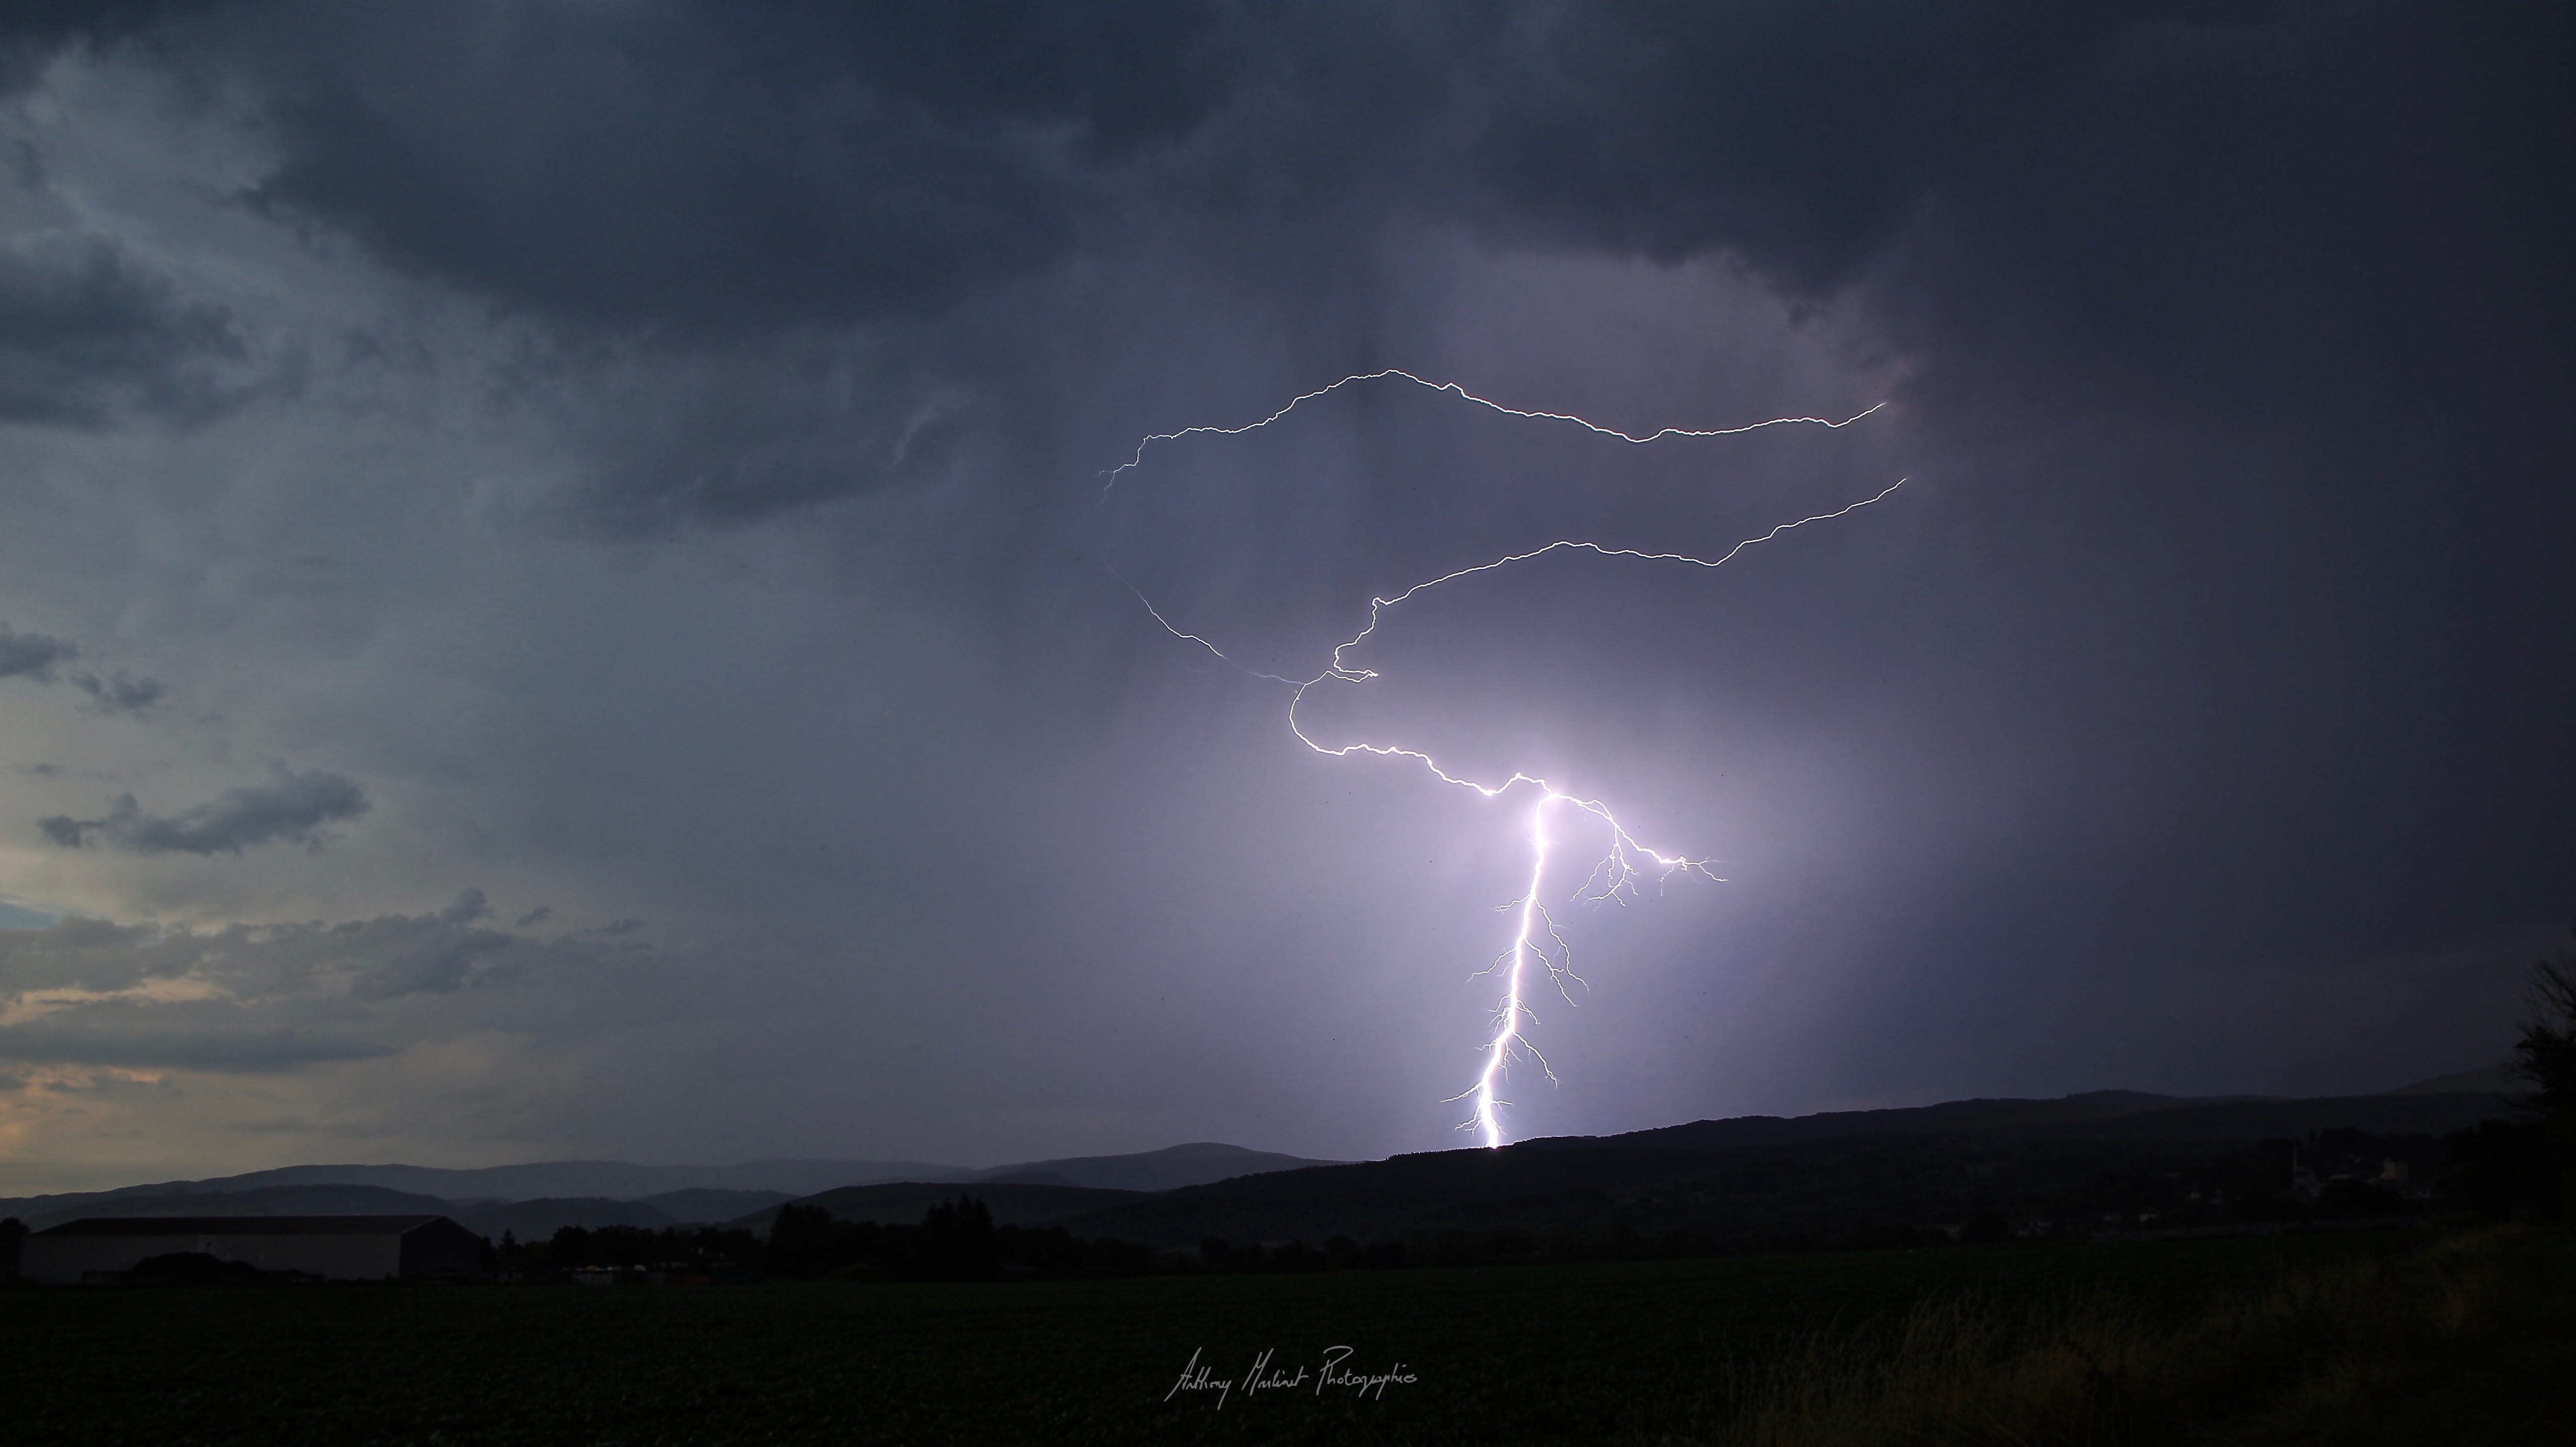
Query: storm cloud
pixel 291 808
pixel 688 506
pixel 670 183
pixel 88 333
pixel 2136 204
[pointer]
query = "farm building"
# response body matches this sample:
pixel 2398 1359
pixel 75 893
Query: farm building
pixel 336 1248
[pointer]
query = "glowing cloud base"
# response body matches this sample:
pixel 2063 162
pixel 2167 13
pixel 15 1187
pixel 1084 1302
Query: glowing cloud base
pixel 1624 861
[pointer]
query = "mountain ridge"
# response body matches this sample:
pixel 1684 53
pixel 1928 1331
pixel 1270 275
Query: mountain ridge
pixel 1131 1190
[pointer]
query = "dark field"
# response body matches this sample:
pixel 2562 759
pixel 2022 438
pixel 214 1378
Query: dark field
pixel 1618 1352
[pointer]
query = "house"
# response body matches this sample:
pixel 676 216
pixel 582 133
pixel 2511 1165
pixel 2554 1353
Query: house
pixel 336 1248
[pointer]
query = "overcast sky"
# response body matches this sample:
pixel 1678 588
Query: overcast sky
pixel 561 597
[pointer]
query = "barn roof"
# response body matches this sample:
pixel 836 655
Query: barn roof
pixel 240 1226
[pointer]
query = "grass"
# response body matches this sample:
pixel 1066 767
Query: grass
pixel 2467 1341
pixel 2299 1339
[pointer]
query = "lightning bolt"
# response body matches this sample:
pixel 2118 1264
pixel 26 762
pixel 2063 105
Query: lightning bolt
pixel 1536 944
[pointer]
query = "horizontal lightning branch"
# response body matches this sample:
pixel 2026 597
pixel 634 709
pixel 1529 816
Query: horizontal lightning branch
pixel 1461 393
pixel 1614 876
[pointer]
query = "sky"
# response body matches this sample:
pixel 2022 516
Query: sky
pixel 568 591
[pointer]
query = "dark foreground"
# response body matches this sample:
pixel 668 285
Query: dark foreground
pixel 2358 1337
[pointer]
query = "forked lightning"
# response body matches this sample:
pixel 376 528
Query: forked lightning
pixel 1624 860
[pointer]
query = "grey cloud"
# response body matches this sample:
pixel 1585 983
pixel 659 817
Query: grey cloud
pixel 90 954
pixel 121 692
pixel 656 167
pixel 88 333
pixel 440 968
pixel 291 808
pixel 266 998
pixel 32 655
pixel 36 656
pixel 539 915
pixel 376 959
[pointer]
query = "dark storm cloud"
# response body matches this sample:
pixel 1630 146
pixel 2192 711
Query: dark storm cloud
pixel 291 808
pixel 32 655
pixel 32 32
pixel 88 333
pixel 2239 209
pixel 717 168
pixel 709 168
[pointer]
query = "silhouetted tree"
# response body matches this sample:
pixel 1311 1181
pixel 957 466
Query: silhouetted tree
pixel 2546 1054
pixel 2546 1057
pixel 958 1236
pixel 12 1231
pixel 801 1241
pixel 2507 1166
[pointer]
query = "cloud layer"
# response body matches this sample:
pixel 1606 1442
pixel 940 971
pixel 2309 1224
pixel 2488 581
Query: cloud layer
pixel 248 999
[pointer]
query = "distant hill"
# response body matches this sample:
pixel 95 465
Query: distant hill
pixel 904 1204
pixel 2494 1080
pixel 616 1180
pixel 2101 1114
pixel 1816 1170
pixel 1194 1164
pixel 1759 1179
pixel 538 1219
pixel 541 1180
pixel 2245 1120
pixel 267 1201
pixel 1466 1189
pixel 732 1190
pixel 702 1206
pixel 1949 1116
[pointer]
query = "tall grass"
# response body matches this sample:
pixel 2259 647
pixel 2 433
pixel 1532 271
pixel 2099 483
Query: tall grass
pixel 2307 1357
